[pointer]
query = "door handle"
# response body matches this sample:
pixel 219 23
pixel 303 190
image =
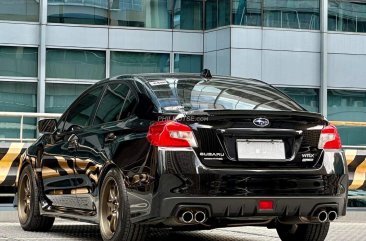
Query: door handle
pixel 73 142
pixel 110 137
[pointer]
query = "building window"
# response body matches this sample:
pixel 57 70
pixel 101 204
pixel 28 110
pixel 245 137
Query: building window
pixel 307 98
pixel 60 96
pixel 348 107
pixel 188 14
pixel 141 13
pixel 78 12
pixel 247 12
pixel 217 13
pixel 186 63
pixel 347 16
pixel 133 63
pixel 17 97
pixel 19 10
pixel 291 14
pixel 75 64
pixel 18 61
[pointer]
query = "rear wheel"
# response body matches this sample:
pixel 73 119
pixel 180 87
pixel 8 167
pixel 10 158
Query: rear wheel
pixel 114 211
pixel 303 232
pixel 28 204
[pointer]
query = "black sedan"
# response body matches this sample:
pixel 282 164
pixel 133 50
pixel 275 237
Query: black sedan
pixel 185 152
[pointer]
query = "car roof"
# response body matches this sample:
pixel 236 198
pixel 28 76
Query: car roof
pixel 146 77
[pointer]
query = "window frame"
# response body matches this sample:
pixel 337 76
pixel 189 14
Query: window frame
pixel 76 102
pixel 132 91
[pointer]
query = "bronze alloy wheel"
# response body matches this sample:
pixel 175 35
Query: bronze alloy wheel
pixel 110 214
pixel 25 197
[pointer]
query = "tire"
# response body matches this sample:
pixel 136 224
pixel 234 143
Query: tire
pixel 303 232
pixel 114 211
pixel 28 204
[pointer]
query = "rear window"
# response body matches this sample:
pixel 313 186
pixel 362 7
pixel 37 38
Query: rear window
pixel 189 94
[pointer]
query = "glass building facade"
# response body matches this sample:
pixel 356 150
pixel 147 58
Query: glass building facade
pixel 347 16
pixel 296 14
pixel 69 68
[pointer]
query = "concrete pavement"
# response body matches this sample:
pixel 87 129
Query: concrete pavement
pixel 350 228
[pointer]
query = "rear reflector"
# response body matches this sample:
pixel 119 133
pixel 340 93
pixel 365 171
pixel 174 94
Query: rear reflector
pixel 171 134
pixel 329 138
pixel 265 205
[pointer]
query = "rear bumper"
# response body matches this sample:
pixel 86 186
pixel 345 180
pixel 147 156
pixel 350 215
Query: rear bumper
pixel 248 206
pixel 234 193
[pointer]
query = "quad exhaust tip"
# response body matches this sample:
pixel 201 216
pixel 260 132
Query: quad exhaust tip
pixel 332 215
pixel 187 217
pixel 322 216
pixel 200 217
pixel 193 217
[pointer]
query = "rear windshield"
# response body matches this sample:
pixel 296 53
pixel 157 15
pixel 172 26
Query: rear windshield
pixel 190 94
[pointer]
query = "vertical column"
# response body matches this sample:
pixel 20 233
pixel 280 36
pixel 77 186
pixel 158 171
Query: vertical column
pixel 171 62
pixel 324 57
pixel 41 89
pixel 108 63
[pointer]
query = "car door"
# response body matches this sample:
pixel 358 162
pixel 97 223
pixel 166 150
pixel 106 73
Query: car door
pixel 58 158
pixel 95 142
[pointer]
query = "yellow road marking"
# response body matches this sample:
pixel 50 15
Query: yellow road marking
pixel 8 159
pixel 359 176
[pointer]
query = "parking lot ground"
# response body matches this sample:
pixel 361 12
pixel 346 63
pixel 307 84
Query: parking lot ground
pixel 350 228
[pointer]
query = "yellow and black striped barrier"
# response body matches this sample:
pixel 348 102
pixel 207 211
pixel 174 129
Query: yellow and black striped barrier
pixel 10 155
pixel 9 162
pixel 356 161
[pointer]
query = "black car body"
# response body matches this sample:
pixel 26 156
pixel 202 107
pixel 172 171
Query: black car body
pixel 192 152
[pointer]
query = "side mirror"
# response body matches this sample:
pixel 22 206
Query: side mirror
pixel 47 126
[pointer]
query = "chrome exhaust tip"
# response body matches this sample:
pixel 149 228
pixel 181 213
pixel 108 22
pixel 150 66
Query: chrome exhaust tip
pixel 332 215
pixel 200 217
pixel 322 216
pixel 187 217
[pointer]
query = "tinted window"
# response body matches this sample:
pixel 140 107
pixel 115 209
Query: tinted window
pixel 80 113
pixel 191 93
pixel 128 106
pixel 112 102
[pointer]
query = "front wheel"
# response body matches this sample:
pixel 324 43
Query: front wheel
pixel 303 232
pixel 28 204
pixel 114 211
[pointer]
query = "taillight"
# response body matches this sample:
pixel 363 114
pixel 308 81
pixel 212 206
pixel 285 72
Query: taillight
pixel 171 134
pixel 329 138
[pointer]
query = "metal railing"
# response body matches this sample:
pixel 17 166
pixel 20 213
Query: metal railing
pixel 22 116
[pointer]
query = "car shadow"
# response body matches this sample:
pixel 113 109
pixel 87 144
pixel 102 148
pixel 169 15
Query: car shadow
pixel 91 233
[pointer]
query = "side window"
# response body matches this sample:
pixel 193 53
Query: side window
pixel 79 115
pixel 113 104
pixel 128 106
pixel 61 123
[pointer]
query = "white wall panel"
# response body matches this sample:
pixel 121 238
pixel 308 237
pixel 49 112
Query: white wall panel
pixel 187 42
pixel 350 43
pixel 291 68
pixel 210 62
pixel 16 33
pixel 248 38
pixel 217 40
pixel 75 36
pixel 136 39
pixel 347 71
pixel 223 62
pixel 292 40
pixel 223 38
pixel 246 63
pixel 210 40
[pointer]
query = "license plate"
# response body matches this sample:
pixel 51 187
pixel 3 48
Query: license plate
pixel 252 149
